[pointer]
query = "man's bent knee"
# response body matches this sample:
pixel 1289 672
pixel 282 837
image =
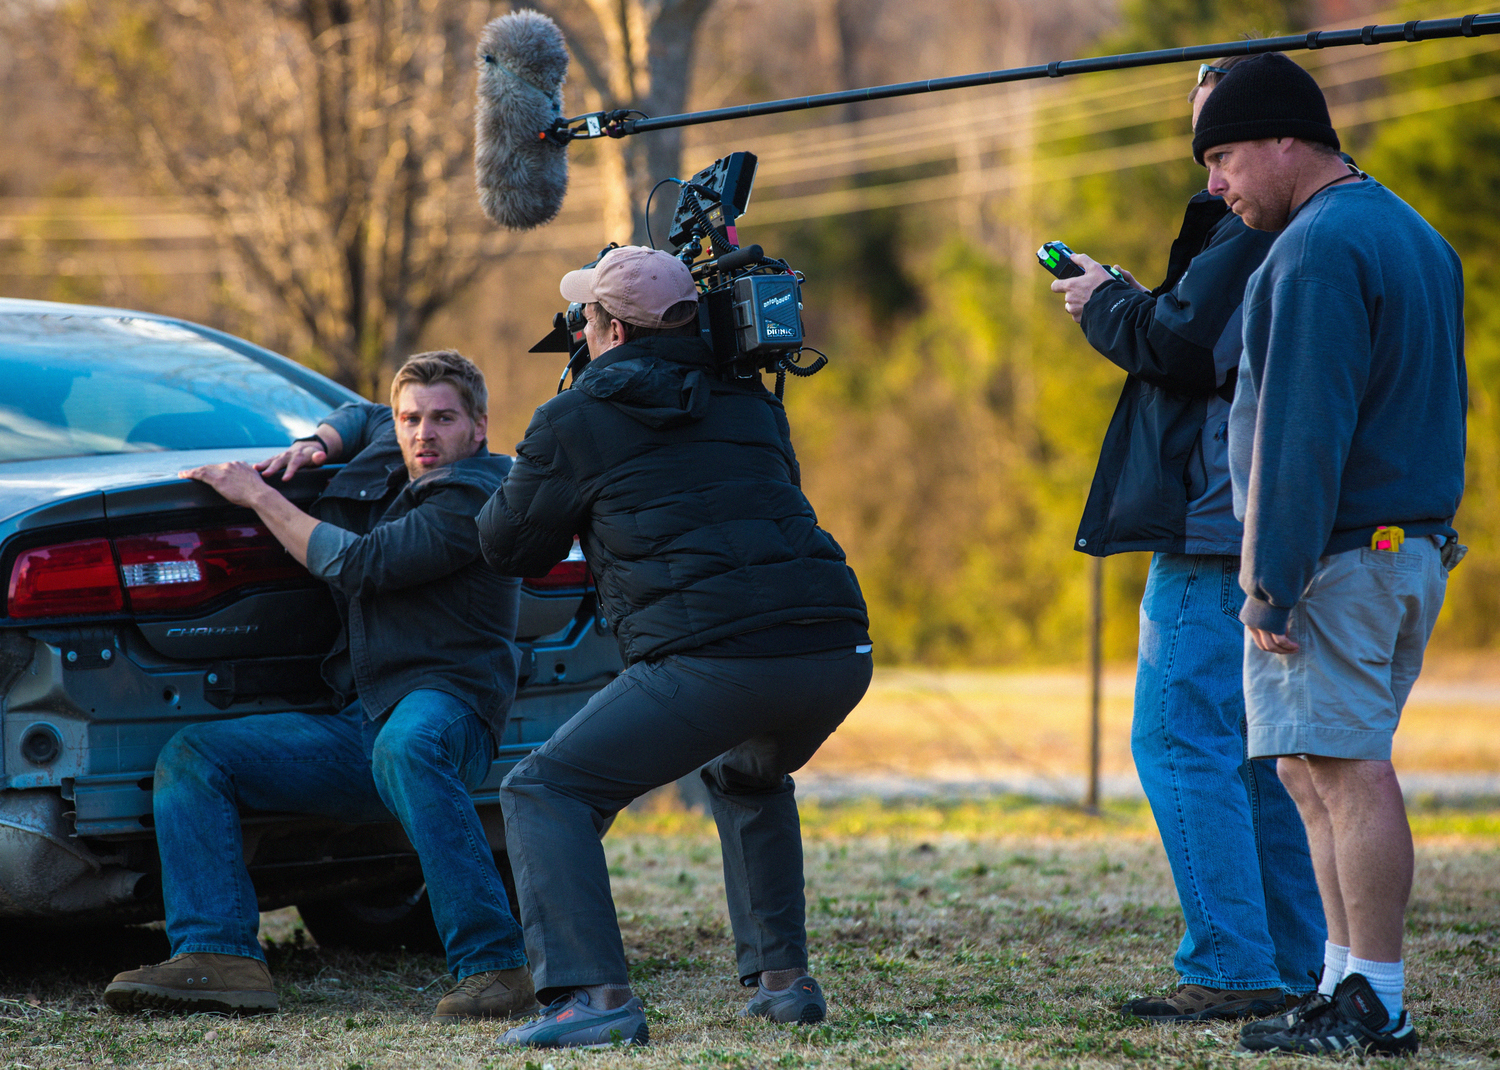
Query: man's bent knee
pixel 535 783
pixel 1295 777
pixel 186 756
pixel 1352 782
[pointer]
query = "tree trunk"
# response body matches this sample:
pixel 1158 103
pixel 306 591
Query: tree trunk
pixel 635 54
pixel 328 140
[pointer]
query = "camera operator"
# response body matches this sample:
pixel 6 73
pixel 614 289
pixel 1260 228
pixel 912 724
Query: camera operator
pixel 1254 922
pixel 744 632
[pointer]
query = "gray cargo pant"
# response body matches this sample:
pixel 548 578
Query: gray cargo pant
pixel 753 720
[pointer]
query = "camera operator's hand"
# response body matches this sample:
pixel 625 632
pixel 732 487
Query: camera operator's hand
pixel 1077 290
pixel 1132 280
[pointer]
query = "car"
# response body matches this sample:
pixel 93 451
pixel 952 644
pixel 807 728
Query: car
pixel 138 602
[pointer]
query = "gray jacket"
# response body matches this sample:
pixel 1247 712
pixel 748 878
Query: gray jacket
pixel 420 608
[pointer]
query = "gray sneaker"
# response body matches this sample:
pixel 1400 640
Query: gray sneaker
pixel 569 1022
pixel 802 1003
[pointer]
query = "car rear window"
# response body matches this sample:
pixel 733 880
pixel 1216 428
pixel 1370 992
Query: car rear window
pixel 78 385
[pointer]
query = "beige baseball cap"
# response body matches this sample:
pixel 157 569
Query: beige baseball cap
pixel 636 284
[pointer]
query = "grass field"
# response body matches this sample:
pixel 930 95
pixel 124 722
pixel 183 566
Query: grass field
pixel 998 932
pixel 990 934
pixel 976 725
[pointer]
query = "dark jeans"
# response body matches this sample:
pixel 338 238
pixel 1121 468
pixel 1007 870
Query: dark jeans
pixel 753 720
pixel 417 764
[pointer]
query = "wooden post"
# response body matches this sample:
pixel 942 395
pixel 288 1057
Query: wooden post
pixel 1096 658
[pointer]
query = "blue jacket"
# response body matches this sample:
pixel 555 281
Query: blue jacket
pixel 1163 477
pixel 1353 392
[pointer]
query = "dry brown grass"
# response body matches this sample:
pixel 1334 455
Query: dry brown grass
pixel 976 725
pixel 999 934
pixel 992 933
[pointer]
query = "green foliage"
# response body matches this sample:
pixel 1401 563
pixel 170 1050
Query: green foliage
pixel 1445 163
pixel 950 458
pixel 1152 24
pixel 952 444
pixel 855 258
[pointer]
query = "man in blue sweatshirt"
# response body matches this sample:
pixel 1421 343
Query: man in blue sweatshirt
pixel 1346 442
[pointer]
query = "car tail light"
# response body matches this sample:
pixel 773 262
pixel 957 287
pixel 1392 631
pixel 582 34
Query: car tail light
pixel 161 573
pixel 180 569
pixel 69 580
pixel 571 571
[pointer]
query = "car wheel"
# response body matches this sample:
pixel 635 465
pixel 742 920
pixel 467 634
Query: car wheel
pixel 374 921
pixel 388 918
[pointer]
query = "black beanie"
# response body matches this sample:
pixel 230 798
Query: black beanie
pixel 1265 96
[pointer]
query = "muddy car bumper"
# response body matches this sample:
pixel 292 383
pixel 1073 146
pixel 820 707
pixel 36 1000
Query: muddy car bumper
pixel 46 872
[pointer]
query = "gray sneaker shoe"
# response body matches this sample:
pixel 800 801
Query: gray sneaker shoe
pixel 802 1003
pixel 569 1022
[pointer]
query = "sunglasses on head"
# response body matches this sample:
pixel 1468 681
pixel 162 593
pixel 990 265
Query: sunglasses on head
pixel 1205 69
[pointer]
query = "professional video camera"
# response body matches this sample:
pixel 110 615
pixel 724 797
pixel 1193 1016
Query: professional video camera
pixel 749 304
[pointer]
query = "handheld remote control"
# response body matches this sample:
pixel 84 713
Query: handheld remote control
pixel 1058 259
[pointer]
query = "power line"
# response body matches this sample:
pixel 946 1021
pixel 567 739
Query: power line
pixel 933 136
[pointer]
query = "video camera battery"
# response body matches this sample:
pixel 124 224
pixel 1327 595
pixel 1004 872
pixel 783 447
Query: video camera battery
pixel 767 313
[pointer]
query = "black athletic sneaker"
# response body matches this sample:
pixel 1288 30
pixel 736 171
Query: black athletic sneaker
pixel 1309 1006
pixel 1354 1021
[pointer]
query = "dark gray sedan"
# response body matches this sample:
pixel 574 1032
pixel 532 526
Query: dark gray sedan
pixel 137 602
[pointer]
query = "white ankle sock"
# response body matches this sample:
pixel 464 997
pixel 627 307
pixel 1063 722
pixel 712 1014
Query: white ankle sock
pixel 1386 978
pixel 1334 958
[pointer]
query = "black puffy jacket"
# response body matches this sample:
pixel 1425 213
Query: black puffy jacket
pixel 1163 480
pixel 685 493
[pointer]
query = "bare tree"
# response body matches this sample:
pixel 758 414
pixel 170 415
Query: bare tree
pixel 633 54
pixel 330 141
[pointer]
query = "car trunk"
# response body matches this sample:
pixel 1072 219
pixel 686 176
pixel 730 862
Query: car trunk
pixel 198 614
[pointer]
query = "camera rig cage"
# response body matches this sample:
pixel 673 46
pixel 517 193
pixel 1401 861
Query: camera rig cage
pixel 749 304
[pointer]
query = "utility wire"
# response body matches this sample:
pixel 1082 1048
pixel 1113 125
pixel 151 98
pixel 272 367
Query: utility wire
pixel 932 136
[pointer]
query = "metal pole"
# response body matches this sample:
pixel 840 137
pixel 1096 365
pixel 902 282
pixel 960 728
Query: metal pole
pixel 1096 675
pixel 1424 30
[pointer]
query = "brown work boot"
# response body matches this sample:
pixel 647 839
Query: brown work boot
pixel 196 981
pixel 1196 1003
pixel 493 994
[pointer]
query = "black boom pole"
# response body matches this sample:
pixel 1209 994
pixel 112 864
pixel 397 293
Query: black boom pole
pixel 620 123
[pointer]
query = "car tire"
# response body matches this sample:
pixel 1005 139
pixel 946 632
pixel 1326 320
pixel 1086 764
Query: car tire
pixel 381 920
pixel 387 919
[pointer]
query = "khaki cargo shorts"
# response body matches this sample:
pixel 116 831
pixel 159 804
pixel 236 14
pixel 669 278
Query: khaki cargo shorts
pixel 1363 624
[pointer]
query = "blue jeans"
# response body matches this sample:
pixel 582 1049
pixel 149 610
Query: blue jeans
pixel 417 764
pixel 1232 834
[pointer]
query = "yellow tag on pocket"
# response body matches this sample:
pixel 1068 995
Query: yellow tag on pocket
pixel 1388 539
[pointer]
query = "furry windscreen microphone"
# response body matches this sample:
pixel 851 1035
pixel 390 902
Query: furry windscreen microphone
pixel 521 176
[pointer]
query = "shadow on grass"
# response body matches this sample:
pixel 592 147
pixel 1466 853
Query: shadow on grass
pixel 68 969
pixel 34 957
